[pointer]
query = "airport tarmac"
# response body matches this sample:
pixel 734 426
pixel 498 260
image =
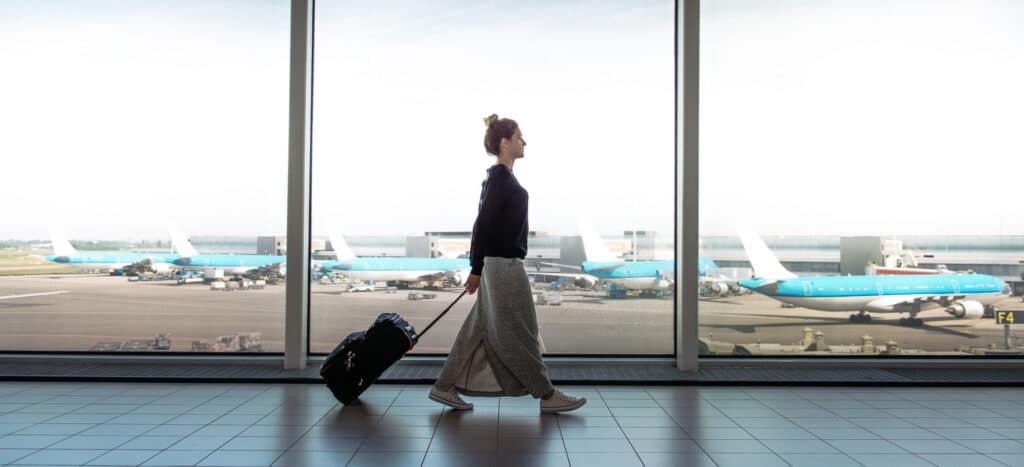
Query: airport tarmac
pixel 99 309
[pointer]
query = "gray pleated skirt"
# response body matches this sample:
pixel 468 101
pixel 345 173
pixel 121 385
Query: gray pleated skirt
pixel 497 352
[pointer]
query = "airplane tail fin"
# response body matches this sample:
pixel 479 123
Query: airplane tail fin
pixel 341 249
pixel 61 245
pixel 181 243
pixel 594 249
pixel 764 262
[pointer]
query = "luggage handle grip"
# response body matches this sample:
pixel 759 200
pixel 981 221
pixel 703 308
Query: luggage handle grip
pixel 424 331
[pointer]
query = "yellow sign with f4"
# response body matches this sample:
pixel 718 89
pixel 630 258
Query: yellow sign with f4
pixel 1005 317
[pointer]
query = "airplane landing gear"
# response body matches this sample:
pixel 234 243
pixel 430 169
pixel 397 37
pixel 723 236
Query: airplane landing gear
pixel 911 322
pixel 861 317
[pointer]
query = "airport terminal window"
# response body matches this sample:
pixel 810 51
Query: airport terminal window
pixel 870 148
pixel 401 92
pixel 121 119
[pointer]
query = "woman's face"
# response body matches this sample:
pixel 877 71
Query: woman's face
pixel 516 145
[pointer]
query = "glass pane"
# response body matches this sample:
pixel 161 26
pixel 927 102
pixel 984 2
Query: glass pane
pixel 121 119
pixel 401 92
pixel 870 151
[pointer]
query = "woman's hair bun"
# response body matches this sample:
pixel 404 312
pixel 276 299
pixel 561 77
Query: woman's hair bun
pixel 490 119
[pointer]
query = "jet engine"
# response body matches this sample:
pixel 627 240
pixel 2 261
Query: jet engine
pixel 584 282
pixel 969 309
pixel 715 289
pixel 161 268
pixel 457 279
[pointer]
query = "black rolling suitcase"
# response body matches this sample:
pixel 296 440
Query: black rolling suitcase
pixel 362 357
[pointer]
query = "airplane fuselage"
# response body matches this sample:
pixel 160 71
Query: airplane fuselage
pixel 883 294
pixel 230 264
pixel 110 261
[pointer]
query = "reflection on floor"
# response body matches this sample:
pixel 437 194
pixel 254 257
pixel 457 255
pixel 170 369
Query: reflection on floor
pixel 396 425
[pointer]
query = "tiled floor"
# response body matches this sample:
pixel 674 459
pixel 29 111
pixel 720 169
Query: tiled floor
pixel 301 425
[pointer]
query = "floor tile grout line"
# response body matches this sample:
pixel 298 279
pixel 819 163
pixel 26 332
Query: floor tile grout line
pixel 741 427
pixel 921 423
pixel 22 457
pixel 391 404
pixel 444 410
pixel 561 437
pixel 199 461
pixel 993 458
pixel 816 436
pixel 678 425
pixel 631 446
pixel 906 452
pixel 296 440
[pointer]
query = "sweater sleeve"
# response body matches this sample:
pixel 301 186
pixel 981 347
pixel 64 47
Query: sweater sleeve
pixel 485 229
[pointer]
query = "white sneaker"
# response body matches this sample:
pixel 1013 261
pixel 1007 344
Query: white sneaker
pixel 450 398
pixel 561 402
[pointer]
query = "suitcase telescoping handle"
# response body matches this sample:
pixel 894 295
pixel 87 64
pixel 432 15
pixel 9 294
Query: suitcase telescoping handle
pixel 424 331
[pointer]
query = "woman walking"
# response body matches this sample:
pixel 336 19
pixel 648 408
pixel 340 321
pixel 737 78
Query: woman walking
pixel 497 352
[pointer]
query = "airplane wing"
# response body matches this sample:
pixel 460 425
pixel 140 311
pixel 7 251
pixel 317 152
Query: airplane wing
pixel 567 266
pixel 456 274
pixel 571 275
pixel 586 280
pixel 459 276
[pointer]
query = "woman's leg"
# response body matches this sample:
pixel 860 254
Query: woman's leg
pixel 512 331
pixel 459 356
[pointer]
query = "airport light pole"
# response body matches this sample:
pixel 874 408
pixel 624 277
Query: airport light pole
pixel 300 104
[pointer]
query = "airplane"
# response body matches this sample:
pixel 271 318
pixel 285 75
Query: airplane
pixel 397 269
pixel 646 276
pixel 961 295
pixel 189 258
pixel 64 253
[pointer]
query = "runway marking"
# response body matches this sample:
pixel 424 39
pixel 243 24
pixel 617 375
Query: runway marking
pixel 33 294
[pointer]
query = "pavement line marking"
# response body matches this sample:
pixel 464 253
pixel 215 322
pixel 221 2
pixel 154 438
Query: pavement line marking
pixel 33 294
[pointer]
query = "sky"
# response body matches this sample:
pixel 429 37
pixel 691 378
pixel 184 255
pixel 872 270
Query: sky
pixel 817 117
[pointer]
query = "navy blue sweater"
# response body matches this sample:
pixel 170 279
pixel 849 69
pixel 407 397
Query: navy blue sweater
pixel 501 225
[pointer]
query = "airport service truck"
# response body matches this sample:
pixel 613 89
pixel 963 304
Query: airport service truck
pixel 189 277
pixel 146 277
